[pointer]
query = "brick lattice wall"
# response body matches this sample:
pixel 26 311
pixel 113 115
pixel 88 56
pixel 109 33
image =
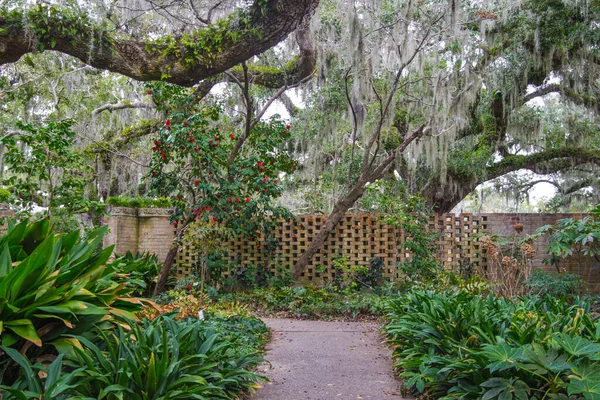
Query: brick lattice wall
pixel 358 238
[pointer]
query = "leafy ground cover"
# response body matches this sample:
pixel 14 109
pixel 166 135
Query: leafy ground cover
pixel 70 327
pixel 308 303
pixel 459 344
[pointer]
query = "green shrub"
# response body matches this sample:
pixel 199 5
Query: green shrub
pixel 159 359
pixel 309 303
pixel 138 202
pixel 52 285
pixel 459 345
pixel 4 195
pixel 138 272
pixel 562 285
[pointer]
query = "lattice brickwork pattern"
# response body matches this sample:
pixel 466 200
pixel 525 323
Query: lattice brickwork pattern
pixel 357 239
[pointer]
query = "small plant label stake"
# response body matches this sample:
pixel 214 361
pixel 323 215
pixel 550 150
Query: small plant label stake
pixel 201 315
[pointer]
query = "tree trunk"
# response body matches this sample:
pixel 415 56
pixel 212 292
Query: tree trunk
pixel 161 282
pixel 333 219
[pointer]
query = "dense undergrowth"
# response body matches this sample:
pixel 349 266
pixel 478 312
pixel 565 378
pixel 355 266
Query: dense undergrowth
pixel 455 344
pixel 70 327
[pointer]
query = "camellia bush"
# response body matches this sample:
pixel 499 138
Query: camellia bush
pixel 216 173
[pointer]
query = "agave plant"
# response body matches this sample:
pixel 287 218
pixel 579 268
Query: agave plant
pixel 53 284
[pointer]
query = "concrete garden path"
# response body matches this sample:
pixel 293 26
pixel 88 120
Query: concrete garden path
pixel 315 360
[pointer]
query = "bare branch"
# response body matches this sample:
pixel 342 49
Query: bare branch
pixel 122 106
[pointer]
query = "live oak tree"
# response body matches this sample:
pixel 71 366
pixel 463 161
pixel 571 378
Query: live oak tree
pixel 438 91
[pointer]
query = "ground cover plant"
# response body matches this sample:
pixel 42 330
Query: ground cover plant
pixel 460 344
pixel 70 328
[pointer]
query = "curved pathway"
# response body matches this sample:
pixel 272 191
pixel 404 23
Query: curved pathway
pixel 315 360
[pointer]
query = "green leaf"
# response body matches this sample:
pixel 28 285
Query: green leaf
pixel 577 345
pixel 25 329
pixel 5 262
pixel 30 376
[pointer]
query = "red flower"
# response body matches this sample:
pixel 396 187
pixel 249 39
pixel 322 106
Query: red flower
pixel 167 123
pixel 209 172
pixel 216 137
pixel 196 149
pixel 153 173
pixel 210 141
pixel 232 136
pixel 258 246
pixel 237 200
pixel 261 169
pixel 276 181
pixel 265 179
pixel 149 92
pixel 182 148
pixel 175 224
pixel 287 127
pixel 163 155
pixel 185 124
pixel 192 140
pixel 248 199
pixel 189 287
pixel 196 182
pixel 229 200
pixel 260 164
pixel 156 142
pixel 216 144
pixel 215 219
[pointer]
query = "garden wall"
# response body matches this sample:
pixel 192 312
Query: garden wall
pixel 358 239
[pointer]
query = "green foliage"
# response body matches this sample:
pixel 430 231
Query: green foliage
pixel 557 285
pixel 138 272
pixel 456 344
pixel 570 237
pixel 55 284
pixel 159 359
pixel 138 202
pixel 48 171
pixel 4 195
pixel 412 216
pixel 308 303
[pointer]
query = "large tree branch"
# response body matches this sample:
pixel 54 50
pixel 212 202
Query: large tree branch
pixel 545 162
pixel 183 60
pixel 122 106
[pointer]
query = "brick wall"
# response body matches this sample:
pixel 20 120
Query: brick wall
pixel 358 238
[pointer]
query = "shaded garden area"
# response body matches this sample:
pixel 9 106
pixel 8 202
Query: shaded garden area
pixel 173 171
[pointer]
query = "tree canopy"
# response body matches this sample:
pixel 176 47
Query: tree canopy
pixel 393 97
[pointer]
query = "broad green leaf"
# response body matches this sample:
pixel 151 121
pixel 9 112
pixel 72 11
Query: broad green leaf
pixel 5 262
pixel 25 329
pixel 30 376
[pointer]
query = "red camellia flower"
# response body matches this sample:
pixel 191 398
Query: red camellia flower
pixel 196 149
pixel 167 123
pixel 209 172
pixel 216 137
pixel 265 180
pixel 248 199
pixel 259 164
pixel 182 148
pixel 192 140
pixel 149 91
pixel 276 181
pixel 156 142
pixel 287 127
pixel 237 200
pixel 175 224
pixel 232 136
pixel 185 124
pixel 153 173
pixel 261 169
pixel 216 144
pixel 163 155
pixel 196 182
pixel 210 141
pixel 215 219
pixel 229 200
pixel 189 287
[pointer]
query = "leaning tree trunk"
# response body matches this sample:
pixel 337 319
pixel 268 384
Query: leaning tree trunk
pixel 344 204
pixel 161 283
pixel 340 208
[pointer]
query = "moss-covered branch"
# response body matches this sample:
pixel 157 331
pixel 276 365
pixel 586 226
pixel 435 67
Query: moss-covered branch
pixel 184 60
